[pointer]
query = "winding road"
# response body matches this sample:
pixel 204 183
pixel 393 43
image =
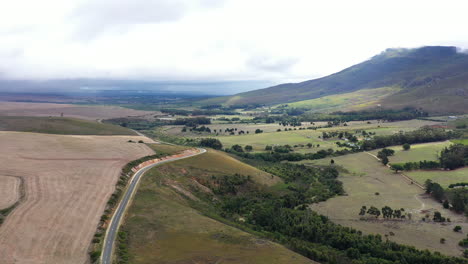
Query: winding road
pixel 111 233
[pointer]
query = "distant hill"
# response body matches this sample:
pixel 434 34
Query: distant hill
pixel 434 78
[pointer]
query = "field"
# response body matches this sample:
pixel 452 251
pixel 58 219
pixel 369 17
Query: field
pixel 366 177
pixel 10 190
pixel 163 228
pixel 295 137
pixel 358 99
pixel 417 152
pixel 444 178
pixel 166 149
pixel 60 125
pixel 460 141
pixel 68 110
pixel 68 181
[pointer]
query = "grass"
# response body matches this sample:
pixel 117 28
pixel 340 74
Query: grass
pixel 164 228
pixel 444 178
pixel 166 149
pixel 365 176
pixel 357 99
pixel 460 141
pixel 60 125
pixel 417 152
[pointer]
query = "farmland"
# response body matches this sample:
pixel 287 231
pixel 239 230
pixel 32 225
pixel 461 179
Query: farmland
pixel 442 177
pixel 10 190
pixel 60 125
pixel 365 177
pixel 67 183
pixel 294 136
pixel 417 152
pixel 68 110
pixel 168 230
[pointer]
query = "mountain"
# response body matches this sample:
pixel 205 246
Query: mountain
pixel 434 78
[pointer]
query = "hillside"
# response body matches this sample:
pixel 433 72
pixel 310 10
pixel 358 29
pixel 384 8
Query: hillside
pixel 433 78
pixel 60 125
pixel 164 226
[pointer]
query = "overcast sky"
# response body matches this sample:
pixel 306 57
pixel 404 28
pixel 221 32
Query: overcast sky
pixel 214 40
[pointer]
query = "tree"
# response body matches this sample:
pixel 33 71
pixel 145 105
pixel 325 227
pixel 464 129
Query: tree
pixel 397 167
pixel 438 217
pixel 406 146
pixel 248 148
pixel 457 228
pixel 268 147
pixel 309 145
pixel 374 211
pixel 211 143
pixel 332 161
pixel 363 210
pixel 384 160
pixel 446 204
pixel 387 212
pixel 237 148
pixel 258 131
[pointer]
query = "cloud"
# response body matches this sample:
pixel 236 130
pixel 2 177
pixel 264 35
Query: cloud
pixel 271 63
pixel 213 40
pixel 95 17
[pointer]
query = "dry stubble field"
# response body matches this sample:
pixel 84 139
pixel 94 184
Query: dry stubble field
pixel 77 111
pixel 67 182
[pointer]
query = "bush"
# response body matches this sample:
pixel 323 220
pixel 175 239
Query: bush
pixel 211 143
pixel 406 146
pixel 457 228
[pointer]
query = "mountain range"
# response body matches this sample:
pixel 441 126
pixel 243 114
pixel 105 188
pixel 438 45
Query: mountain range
pixel 434 78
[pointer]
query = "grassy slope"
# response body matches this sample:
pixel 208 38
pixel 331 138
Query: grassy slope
pixel 166 149
pixel 60 125
pixel 354 100
pixel 163 228
pixel 367 176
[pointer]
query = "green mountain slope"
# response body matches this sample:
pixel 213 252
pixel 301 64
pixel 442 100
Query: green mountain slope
pixel 424 76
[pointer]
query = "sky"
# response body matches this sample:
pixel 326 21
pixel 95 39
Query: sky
pixel 201 41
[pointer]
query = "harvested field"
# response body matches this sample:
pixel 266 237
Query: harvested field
pixel 68 110
pixel 60 125
pixel 9 190
pixel 68 181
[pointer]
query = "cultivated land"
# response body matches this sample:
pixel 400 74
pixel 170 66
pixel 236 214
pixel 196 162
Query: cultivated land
pixel 68 110
pixel 364 178
pixel 68 181
pixel 296 137
pixel 9 190
pixel 442 177
pixel 163 228
pixel 417 152
pixel 60 125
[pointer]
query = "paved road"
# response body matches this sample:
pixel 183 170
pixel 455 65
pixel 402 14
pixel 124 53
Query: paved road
pixel 113 228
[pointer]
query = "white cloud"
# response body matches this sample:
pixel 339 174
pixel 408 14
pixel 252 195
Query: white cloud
pixel 210 40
